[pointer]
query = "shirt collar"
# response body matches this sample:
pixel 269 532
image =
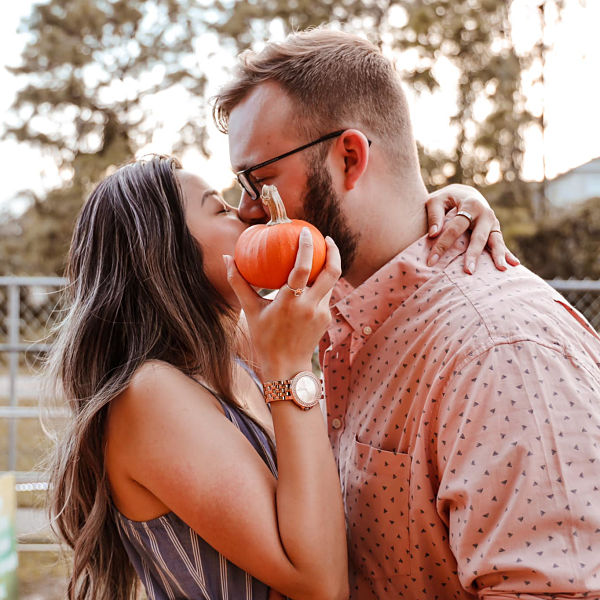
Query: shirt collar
pixel 373 301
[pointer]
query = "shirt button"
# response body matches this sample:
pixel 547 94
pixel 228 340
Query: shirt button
pixel 336 423
pixel 367 330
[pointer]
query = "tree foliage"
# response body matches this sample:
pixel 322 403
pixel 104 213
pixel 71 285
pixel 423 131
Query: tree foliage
pixel 567 245
pixel 89 67
pixel 473 35
pixel 92 66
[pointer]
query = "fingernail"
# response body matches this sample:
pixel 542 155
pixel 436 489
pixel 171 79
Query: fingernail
pixel 471 268
pixel 227 261
pixel 503 263
pixel 433 230
pixel 433 259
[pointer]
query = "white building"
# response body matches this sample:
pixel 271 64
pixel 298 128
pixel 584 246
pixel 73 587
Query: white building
pixel 577 185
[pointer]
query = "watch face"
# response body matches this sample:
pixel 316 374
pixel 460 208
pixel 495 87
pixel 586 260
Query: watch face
pixel 306 389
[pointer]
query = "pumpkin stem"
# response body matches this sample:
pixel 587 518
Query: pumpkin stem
pixel 272 200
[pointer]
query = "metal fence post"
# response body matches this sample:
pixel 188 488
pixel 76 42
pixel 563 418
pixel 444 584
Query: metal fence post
pixel 13 340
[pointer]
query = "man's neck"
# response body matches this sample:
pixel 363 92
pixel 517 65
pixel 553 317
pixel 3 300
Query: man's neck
pixel 391 228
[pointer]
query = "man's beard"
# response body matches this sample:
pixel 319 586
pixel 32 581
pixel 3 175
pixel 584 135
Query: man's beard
pixel 321 207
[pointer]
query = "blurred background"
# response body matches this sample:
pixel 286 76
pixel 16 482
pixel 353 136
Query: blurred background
pixel 503 96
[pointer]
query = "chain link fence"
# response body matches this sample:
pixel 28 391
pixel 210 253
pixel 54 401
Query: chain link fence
pixel 584 295
pixel 29 307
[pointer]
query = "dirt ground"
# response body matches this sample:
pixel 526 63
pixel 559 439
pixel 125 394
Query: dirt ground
pixel 42 576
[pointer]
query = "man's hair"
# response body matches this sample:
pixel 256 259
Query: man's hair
pixel 334 80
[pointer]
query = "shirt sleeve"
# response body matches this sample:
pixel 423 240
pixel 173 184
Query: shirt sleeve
pixel 519 473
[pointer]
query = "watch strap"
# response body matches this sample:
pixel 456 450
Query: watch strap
pixel 277 390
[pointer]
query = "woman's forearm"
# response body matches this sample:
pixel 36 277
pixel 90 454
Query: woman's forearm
pixel 310 510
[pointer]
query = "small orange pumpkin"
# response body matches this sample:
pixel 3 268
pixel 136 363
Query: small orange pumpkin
pixel 265 254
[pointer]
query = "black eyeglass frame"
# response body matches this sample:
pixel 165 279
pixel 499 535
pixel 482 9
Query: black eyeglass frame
pixel 243 176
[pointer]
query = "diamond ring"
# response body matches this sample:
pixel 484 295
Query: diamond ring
pixel 296 291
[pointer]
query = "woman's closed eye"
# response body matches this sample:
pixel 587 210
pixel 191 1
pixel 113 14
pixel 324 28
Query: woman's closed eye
pixel 221 207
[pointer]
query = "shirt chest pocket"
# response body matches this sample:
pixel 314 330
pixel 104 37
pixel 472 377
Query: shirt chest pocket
pixel 377 488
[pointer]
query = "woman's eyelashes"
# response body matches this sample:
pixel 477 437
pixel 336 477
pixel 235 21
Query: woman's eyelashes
pixel 221 207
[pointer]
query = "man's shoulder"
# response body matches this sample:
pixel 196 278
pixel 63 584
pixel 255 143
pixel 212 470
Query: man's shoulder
pixel 492 307
pixel 508 305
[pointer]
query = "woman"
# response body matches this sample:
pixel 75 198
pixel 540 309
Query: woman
pixel 167 468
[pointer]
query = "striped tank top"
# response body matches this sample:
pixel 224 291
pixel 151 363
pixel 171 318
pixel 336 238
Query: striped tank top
pixel 175 563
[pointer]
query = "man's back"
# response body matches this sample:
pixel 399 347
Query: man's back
pixel 465 414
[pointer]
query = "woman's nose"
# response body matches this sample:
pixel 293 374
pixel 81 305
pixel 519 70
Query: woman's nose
pixel 252 211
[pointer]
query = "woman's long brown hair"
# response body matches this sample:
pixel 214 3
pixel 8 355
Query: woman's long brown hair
pixel 136 291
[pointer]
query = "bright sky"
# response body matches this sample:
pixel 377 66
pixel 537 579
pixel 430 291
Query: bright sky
pixel 570 98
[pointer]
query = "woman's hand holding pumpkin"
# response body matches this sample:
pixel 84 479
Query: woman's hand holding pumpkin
pixel 286 330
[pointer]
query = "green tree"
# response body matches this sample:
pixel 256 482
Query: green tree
pixel 566 245
pixel 473 35
pixel 89 68
pixel 92 64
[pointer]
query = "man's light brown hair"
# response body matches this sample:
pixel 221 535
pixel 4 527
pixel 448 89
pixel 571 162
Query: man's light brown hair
pixel 336 80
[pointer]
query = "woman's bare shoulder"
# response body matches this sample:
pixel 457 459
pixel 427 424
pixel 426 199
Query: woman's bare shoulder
pixel 147 420
pixel 154 373
pixel 157 389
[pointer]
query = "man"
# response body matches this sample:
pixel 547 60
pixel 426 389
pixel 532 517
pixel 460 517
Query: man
pixel 463 409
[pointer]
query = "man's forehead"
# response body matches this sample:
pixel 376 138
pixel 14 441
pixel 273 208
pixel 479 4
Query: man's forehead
pixel 260 126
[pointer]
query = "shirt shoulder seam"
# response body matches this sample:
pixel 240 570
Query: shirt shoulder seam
pixel 466 297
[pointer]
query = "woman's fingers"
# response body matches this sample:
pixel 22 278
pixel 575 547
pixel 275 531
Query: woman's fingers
pixel 498 249
pixel 436 206
pixel 327 278
pixel 477 242
pixel 250 301
pixel 481 219
pixel 286 332
pixel 299 275
pixel 511 259
pixel 451 232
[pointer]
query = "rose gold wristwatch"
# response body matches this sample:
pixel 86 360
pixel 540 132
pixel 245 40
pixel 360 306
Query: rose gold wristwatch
pixel 304 390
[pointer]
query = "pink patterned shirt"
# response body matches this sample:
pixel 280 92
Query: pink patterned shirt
pixel 465 415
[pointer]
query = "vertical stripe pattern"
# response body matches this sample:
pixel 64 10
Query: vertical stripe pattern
pixel 175 563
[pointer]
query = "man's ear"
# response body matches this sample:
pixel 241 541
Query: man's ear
pixel 353 147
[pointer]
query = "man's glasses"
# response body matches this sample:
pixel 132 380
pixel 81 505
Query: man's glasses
pixel 249 186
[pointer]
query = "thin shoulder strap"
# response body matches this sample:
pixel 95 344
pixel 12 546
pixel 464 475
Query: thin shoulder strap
pixel 262 441
pixel 250 371
pixel 212 392
pixel 267 448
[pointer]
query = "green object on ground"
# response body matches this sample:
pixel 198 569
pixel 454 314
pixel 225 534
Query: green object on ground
pixel 8 541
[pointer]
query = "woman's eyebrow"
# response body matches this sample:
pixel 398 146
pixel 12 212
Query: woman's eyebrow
pixel 208 193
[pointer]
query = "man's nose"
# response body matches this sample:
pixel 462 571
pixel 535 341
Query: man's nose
pixel 252 211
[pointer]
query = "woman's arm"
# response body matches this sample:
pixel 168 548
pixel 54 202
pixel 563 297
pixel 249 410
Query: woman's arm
pixel 308 497
pixel 485 226
pixel 177 444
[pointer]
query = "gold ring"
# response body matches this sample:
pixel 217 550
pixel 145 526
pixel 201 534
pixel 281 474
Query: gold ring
pixel 297 291
pixel 495 231
pixel 466 215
